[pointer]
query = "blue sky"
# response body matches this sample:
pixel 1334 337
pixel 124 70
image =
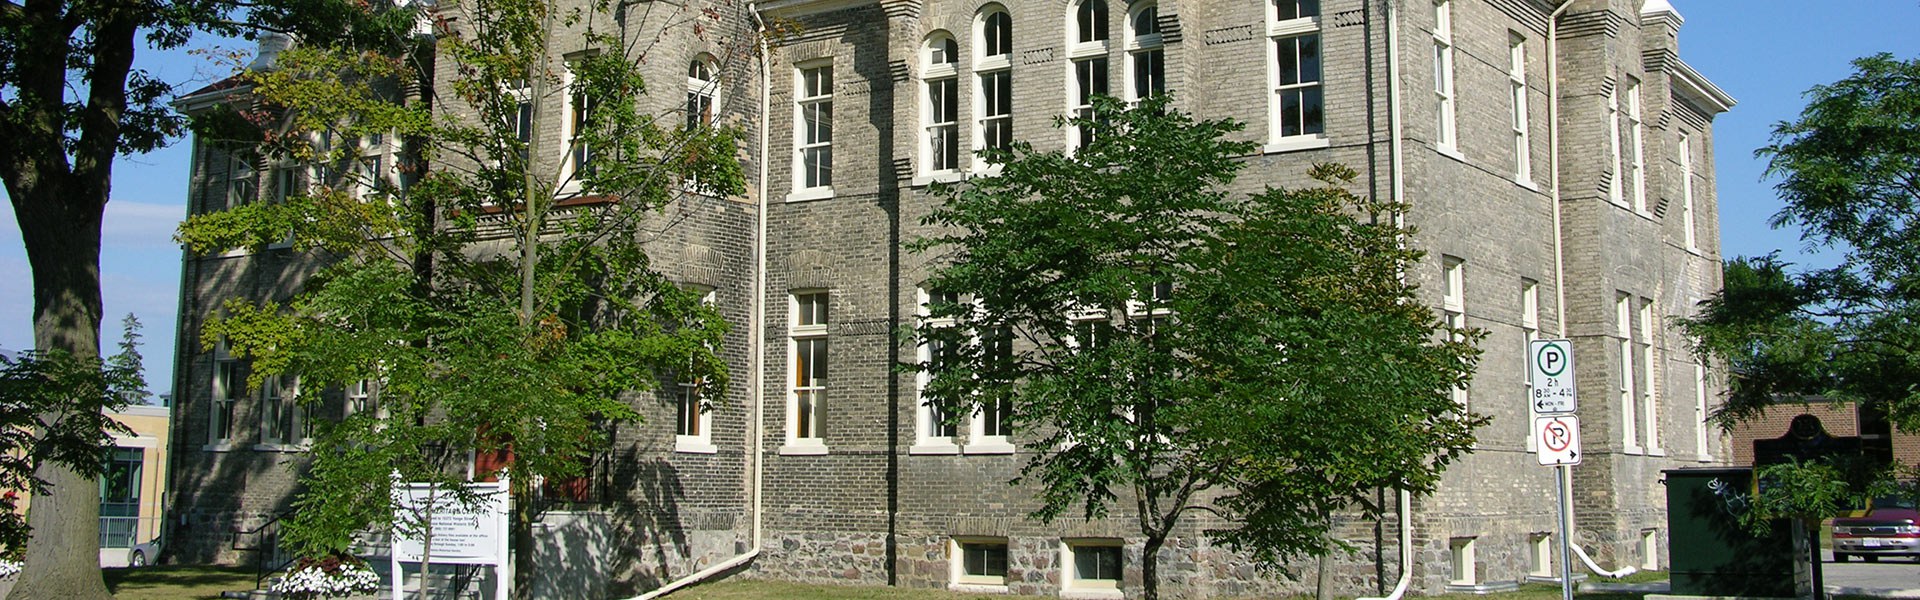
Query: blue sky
pixel 1765 53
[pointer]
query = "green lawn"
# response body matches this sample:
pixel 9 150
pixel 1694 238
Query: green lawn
pixel 176 582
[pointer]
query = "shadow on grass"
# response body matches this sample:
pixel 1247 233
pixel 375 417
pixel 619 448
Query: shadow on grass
pixel 175 581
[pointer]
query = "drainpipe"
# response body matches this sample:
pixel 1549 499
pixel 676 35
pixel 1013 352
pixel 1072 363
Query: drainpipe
pixel 1397 189
pixel 755 345
pixel 1559 252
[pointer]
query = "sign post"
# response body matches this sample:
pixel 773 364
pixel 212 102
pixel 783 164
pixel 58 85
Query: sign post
pixel 1552 397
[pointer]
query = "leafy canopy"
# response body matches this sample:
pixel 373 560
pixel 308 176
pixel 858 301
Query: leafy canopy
pixel 1849 170
pixel 1162 341
pixel 495 291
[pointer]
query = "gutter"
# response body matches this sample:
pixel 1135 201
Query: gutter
pixel 756 348
pixel 1397 190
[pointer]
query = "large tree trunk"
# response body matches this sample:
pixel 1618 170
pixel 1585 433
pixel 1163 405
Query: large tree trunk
pixel 63 246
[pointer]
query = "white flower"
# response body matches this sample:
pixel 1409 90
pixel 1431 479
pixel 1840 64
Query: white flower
pixel 314 582
pixel 9 568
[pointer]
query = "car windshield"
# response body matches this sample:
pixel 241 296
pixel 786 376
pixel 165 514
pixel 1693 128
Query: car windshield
pixel 1893 502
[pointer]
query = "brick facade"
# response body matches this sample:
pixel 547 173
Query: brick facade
pixel 863 506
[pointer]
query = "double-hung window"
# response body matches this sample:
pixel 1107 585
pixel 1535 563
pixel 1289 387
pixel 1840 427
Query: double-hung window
pixel 241 180
pixel 1443 94
pixel 935 428
pixel 813 113
pixel 1453 307
pixel 1614 193
pixel 229 384
pixel 1636 165
pixel 1146 54
pixel 1087 50
pixel 1517 87
pixel 1529 331
pixel 1649 388
pixel 520 121
pixel 1687 231
pixel 992 425
pixel 1297 111
pixel 808 345
pixel 1623 329
pixel 940 107
pixel 703 92
pixel 580 123
pixel 693 416
pixel 283 420
pixel 993 66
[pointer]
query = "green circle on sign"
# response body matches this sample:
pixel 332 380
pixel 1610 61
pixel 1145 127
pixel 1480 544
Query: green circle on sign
pixel 1543 352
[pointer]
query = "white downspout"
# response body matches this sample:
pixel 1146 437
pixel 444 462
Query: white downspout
pixel 1397 189
pixel 755 345
pixel 1559 253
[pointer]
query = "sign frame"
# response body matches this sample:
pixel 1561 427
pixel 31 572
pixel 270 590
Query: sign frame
pixel 1551 390
pixel 1558 437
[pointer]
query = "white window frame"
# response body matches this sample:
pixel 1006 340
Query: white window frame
pixel 1144 51
pixel 703 95
pixel 1540 550
pixel 940 78
pixel 1623 330
pixel 1462 558
pixel 1089 70
pixel 1291 30
pixel 576 150
pixel 812 442
pixel 1072 586
pixel 1637 167
pixel 1702 444
pixel 1688 232
pixel 1453 306
pixel 925 416
pixel 228 386
pixel 1616 181
pixel 688 393
pixel 997 69
pixel 1529 331
pixel 978 440
pixel 1650 549
pixel 1650 384
pixel 1522 122
pixel 806 140
pixel 280 406
pixel 959 580
pixel 243 181
pixel 1446 127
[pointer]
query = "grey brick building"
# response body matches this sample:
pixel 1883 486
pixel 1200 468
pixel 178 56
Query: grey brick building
pixel 1558 158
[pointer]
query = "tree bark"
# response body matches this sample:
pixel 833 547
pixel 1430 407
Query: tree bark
pixel 1150 566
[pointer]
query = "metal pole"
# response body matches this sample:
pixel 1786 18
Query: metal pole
pixel 1566 526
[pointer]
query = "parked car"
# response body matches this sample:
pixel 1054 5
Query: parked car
pixel 143 554
pixel 1890 527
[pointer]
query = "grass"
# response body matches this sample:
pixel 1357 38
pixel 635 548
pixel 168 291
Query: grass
pixel 176 582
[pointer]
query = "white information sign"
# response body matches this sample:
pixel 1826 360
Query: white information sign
pixel 462 535
pixel 1559 439
pixel 1550 377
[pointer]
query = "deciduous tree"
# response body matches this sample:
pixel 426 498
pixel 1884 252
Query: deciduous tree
pixel 1165 345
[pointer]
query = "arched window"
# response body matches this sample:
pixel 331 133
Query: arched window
pixel 940 104
pixel 703 92
pixel 1088 65
pixel 993 70
pixel 1146 58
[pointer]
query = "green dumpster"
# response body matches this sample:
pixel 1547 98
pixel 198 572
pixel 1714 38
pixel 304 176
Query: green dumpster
pixel 1709 552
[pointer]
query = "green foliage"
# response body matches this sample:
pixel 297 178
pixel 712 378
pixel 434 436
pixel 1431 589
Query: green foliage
pixel 495 293
pixel 1848 168
pixel 54 409
pixel 1808 490
pixel 1283 371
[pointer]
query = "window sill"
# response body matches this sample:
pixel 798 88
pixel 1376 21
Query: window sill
pixel 990 447
pixel 1656 452
pixel 978 588
pixel 803 195
pixel 1092 593
pixel 1528 184
pixel 687 444
pixel 947 176
pixel 1450 152
pixel 282 447
pixel 803 448
pixel 933 447
pixel 1705 458
pixel 1296 143
pixel 218 447
pixel 1633 450
pixel 982 169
